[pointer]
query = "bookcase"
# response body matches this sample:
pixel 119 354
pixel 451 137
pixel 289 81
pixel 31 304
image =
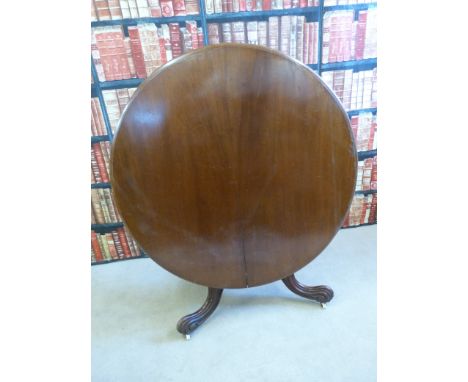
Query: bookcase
pixel 338 25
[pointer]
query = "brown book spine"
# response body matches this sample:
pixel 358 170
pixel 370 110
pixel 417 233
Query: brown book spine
pixel 111 245
pixel 124 243
pixel 118 246
pixel 96 207
pixel 104 208
pixel 96 248
pixel 95 167
pixel 100 162
pixel 110 205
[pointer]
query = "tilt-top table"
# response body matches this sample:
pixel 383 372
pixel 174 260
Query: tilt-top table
pixel 233 166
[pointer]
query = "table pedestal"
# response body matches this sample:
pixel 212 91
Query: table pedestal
pixel 190 322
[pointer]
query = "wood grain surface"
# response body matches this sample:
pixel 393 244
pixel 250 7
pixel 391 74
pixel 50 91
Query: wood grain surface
pixel 233 166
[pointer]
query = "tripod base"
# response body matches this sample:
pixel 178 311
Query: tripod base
pixel 190 322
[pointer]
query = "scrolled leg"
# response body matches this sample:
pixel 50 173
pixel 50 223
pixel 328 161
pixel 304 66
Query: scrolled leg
pixel 320 293
pixel 190 322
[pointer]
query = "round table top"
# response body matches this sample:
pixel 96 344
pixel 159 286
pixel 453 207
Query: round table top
pixel 233 166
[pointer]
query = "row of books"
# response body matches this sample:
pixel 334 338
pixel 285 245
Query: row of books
pixel 100 158
pixel 117 57
pixel 367 174
pixel 356 90
pixel 345 39
pixel 222 6
pixel 115 245
pixel 134 9
pixel 115 101
pixel 102 207
pixel 363 210
pixel 364 127
pixel 291 35
pixel 329 3
pixel 98 127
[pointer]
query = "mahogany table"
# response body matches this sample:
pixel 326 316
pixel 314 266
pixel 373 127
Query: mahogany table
pixel 234 166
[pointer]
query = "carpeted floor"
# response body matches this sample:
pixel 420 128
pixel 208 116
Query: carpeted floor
pixel 258 334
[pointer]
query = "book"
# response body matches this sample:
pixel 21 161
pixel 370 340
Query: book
pixel 125 8
pixel 114 9
pixel 176 42
pixel 252 33
pixel 137 52
pixel 167 9
pixel 155 8
pixel 213 33
pixel 102 9
pixel 143 8
pixel 273 32
pixel 209 6
pixel 238 32
pixel 192 7
pixel 179 8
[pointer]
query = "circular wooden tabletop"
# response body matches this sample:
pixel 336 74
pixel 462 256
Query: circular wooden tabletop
pixel 233 166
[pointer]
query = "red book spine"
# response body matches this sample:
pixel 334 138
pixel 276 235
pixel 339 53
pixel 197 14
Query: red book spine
pixel 162 49
pixel 137 52
pixel 167 8
pixel 370 144
pixel 287 4
pixel 266 5
pixel 354 126
pixel 360 35
pixel 176 41
pixel 242 6
pixel 103 45
pixel 122 54
pixel 373 209
pixel 179 8
pixel 302 3
pixel 96 247
pixel 201 42
pixel 123 242
pixel 374 174
pixel 100 162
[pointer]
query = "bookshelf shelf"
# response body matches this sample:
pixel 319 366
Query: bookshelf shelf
pixel 367 64
pixel 100 185
pixel 259 15
pixel 365 192
pixel 358 7
pixel 102 228
pixel 121 84
pixel 154 20
pixel 367 154
pixel 312 14
pixel 373 110
pixel 99 138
